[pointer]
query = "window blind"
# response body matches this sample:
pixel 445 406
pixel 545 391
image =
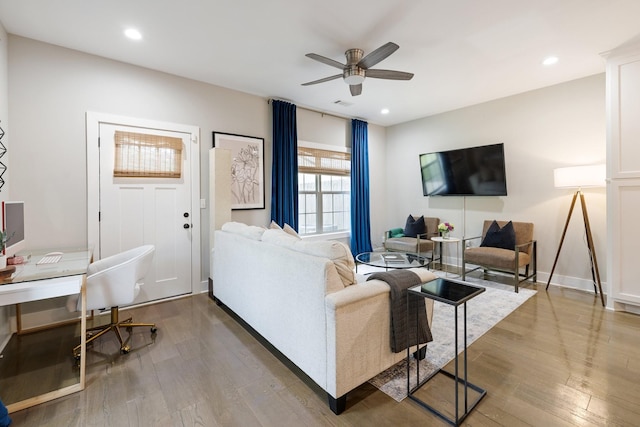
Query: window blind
pixel 147 156
pixel 313 160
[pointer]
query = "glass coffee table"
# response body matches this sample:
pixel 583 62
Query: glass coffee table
pixel 393 260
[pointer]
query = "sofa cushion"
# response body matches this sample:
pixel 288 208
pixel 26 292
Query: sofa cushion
pixel 277 236
pixel 414 226
pixel 497 237
pixel 337 252
pixel 498 258
pixel 252 232
pixel 408 244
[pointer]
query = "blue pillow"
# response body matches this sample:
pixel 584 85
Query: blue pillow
pixel 497 237
pixel 413 227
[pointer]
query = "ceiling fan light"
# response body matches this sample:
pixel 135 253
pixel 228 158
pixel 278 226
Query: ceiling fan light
pixel 353 75
pixel 354 80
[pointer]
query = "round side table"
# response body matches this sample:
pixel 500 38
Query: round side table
pixel 447 240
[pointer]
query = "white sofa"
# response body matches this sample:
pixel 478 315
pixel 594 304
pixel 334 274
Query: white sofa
pixel 300 297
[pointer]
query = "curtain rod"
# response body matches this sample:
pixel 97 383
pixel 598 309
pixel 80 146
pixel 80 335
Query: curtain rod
pixel 314 111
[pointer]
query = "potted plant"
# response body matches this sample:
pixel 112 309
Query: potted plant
pixel 444 229
pixel 3 243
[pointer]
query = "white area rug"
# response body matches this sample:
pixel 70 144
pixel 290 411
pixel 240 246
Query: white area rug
pixel 483 313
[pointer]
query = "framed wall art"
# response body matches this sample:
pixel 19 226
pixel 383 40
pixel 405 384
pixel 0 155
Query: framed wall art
pixel 247 169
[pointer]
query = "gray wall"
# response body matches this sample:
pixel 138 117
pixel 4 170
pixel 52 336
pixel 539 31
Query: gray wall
pixel 51 90
pixel 562 125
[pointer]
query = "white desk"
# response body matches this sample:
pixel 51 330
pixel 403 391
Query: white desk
pixel 447 240
pixel 31 282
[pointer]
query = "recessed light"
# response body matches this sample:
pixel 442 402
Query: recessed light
pixel 384 111
pixel 133 34
pixel 550 60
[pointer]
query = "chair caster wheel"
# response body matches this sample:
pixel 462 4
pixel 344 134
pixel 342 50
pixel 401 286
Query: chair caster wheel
pixel 125 350
pixel 154 330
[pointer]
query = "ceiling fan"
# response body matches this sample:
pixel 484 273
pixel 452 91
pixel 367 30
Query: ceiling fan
pixel 359 67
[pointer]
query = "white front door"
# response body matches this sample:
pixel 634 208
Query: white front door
pixel 139 211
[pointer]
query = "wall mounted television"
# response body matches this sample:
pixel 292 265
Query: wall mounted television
pixel 474 171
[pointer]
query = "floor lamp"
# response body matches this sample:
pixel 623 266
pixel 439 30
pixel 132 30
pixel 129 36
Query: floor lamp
pixel 579 177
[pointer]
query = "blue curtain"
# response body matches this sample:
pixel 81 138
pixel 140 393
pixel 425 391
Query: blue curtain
pixel 5 420
pixel 284 173
pixel 360 221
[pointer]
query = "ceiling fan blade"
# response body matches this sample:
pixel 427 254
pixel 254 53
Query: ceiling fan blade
pixel 325 60
pixel 378 55
pixel 326 79
pixel 388 74
pixel 355 89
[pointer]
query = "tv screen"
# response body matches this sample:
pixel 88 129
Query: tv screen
pixel 475 171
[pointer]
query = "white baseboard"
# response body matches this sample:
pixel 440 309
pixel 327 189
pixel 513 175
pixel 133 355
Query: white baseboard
pixel 571 282
pixel 204 287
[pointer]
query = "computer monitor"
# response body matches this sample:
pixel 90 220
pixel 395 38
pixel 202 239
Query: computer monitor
pixel 13 224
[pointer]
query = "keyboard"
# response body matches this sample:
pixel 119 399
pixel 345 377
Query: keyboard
pixel 49 259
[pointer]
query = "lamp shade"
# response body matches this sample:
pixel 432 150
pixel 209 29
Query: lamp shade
pixel 580 176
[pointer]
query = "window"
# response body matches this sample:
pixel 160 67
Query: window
pixel 324 187
pixel 147 156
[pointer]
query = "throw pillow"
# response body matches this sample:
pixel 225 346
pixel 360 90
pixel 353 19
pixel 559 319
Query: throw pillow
pixel 280 238
pixel 289 230
pixel 497 237
pixel 274 226
pixel 414 226
pixel 337 252
pixel 396 232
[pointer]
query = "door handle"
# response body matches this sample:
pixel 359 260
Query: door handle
pixel 186 226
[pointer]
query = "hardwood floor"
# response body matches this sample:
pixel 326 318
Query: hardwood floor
pixel 558 360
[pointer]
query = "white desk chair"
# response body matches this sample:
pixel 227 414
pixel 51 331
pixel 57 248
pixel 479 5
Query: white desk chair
pixel 111 282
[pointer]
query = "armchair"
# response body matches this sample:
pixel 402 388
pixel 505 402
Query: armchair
pixel 522 252
pixel 420 243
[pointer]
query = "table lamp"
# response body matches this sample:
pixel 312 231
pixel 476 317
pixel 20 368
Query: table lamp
pixel 579 177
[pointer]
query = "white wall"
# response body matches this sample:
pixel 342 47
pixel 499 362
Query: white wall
pixel 331 130
pixel 558 126
pixel 51 90
pixel 4 123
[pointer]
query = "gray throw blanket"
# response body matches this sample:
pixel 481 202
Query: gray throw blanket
pixel 403 334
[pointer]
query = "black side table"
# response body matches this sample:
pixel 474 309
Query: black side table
pixel 454 293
